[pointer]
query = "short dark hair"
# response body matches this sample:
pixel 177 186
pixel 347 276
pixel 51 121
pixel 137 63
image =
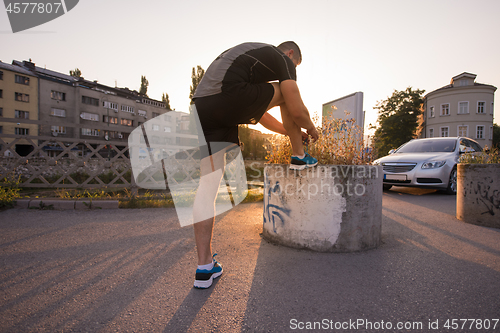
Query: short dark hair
pixel 285 46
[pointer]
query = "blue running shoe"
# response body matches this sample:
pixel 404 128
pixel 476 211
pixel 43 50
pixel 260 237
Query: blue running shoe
pixel 301 163
pixel 204 278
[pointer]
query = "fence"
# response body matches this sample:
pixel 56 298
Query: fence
pixel 52 162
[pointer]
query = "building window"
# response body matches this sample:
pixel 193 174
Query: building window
pixel 1 75
pixel 431 132
pixel 1 94
pixel 167 129
pixel 480 107
pixel 462 130
pixel 110 135
pixel 463 82
pixel 431 112
pixel 479 132
pixel 126 108
pixel 22 131
pixel 156 127
pixel 491 132
pixel 20 97
pixel 445 109
pixel 57 95
pixel 58 112
pixel 22 80
pixel 90 100
pixel 110 105
pixel 1 112
pixel 126 122
pixel 22 114
pixel 89 116
pixel 155 114
pixel 111 120
pixel 58 129
pixel 444 132
pixel 168 118
pixel 90 132
pixel 463 107
pixel 142 113
pixel 1 130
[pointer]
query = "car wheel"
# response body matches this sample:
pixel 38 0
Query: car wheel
pixel 452 183
pixel 386 187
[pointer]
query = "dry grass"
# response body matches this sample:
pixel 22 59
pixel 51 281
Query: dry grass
pixel 490 157
pixel 340 143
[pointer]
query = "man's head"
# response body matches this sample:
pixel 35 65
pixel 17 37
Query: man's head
pixel 291 49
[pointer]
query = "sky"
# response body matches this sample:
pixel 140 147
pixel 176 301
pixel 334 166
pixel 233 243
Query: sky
pixel 375 47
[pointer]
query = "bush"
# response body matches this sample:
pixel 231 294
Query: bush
pixel 9 191
pixel 340 142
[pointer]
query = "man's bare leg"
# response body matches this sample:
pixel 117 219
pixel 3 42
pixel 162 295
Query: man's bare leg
pixel 203 236
pixel 204 204
pixel 292 129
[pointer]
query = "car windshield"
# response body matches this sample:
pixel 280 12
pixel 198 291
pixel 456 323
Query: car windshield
pixel 426 146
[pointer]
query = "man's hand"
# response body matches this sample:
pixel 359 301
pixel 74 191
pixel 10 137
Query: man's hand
pixel 305 136
pixel 313 132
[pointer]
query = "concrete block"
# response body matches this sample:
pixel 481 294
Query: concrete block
pixel 22 203
pixel 328 208
pixel 478 194
pixel 61 204
pixel 96 204
pixel 105 204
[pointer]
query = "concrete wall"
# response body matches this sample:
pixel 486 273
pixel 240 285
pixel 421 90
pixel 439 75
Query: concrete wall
pixel 478 194
pixel 328 208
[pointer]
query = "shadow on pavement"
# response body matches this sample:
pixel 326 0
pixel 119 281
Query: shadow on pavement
pixel 189 309
pixel 421 273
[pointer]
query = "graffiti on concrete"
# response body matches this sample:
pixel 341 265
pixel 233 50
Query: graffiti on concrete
pixel 274 213
pixel 485 194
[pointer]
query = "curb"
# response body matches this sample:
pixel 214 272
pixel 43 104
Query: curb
pixel 65 204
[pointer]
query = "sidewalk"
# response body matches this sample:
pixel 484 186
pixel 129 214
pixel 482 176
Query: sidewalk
pixel 130 270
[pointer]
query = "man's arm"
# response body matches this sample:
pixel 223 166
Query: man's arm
pixel 272 124
pixel 296 107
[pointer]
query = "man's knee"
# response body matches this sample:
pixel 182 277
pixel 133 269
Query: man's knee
pixel 277 97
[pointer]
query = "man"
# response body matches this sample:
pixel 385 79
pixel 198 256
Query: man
pixel 237 89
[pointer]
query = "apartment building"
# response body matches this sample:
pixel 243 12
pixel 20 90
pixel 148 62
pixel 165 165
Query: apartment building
pixel 71 107
pixel 462 108
pixel 19 104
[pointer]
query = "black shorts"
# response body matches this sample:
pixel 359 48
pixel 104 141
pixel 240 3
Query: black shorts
pixel 241 103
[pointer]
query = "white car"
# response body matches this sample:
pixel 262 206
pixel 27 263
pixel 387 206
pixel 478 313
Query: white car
pixel 430 163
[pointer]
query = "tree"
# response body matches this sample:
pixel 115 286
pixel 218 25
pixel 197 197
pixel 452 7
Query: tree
pixel 76 73
pixel 496 136
pixel 166 100
pixel 253 143
pixel 397 119
pixel 196 77
pixel 144 86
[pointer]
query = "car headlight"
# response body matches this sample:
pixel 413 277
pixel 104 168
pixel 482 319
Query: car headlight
pixel 433 164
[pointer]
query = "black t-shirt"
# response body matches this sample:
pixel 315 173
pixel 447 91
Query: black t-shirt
pixel 247 62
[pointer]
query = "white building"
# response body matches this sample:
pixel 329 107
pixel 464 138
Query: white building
pixel 462 108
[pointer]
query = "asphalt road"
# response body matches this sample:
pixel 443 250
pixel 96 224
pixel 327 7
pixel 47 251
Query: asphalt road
pixel 132 270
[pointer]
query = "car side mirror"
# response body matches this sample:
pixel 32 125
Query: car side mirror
pixel 392 151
